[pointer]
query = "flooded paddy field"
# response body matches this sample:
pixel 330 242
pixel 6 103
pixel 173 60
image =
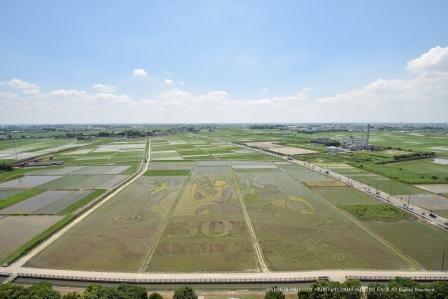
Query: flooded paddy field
pixel 299 230
pixel 298 227
pixel 64 190
pixel 17 230
pixel 48 202
pixel 207 230
pixel 118 235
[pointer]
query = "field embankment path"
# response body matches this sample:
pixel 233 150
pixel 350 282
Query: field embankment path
pixel 14 267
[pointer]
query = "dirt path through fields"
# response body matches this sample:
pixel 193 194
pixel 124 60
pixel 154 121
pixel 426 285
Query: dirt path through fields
pixel 164 225
pixel 253 237
pixel 21 262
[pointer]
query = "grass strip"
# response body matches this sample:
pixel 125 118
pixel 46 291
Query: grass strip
pixel 6 175
pixel 167 172
pixel 377 212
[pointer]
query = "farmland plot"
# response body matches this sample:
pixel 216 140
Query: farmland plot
pixel 56 171
pixel 28 181
pixel 377 181
pixel 17 230
pixel 423 242
pixel 48 202
pixel 84 181
pixel 4 194
pixel 207 231
pixel 419 241
pixel 299 230
pixel 117 236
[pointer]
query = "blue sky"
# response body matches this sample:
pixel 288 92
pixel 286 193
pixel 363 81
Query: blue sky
pixel 249 49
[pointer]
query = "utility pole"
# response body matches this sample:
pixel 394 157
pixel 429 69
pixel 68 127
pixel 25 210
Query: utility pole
pixel 443 261
pixel 15 149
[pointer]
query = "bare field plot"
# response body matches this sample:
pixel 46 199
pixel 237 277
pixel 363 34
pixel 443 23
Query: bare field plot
pixel 207 231
pixel 117 236
pixel 17 230
pixel 299 230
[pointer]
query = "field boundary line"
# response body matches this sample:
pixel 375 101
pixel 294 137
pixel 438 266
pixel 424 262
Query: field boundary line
pixel 41 156
pixel 160 232
pixel 398 252
pixel 409 260
pixel 20 262
pixel 256 245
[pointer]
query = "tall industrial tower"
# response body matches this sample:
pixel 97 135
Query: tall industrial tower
pixel 368 135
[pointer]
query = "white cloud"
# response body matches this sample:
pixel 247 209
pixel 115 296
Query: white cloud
pixel 264 90
pixel 168 81
pixel 25 87
pixel 421 97
pixel 104 88
pixel 435 59
pixel 139 73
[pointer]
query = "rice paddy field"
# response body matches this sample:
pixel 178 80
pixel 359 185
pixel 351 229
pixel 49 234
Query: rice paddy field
pixel 390 143
pixel 192 148
pixel 32 196
pixel 207 230
pixel 21 149
pixel 203 205
pixel 17 230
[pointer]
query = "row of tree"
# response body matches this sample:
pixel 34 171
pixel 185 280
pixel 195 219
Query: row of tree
pixel 6 167
pixel 322 289
pixel 414 156
pixel 122 291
